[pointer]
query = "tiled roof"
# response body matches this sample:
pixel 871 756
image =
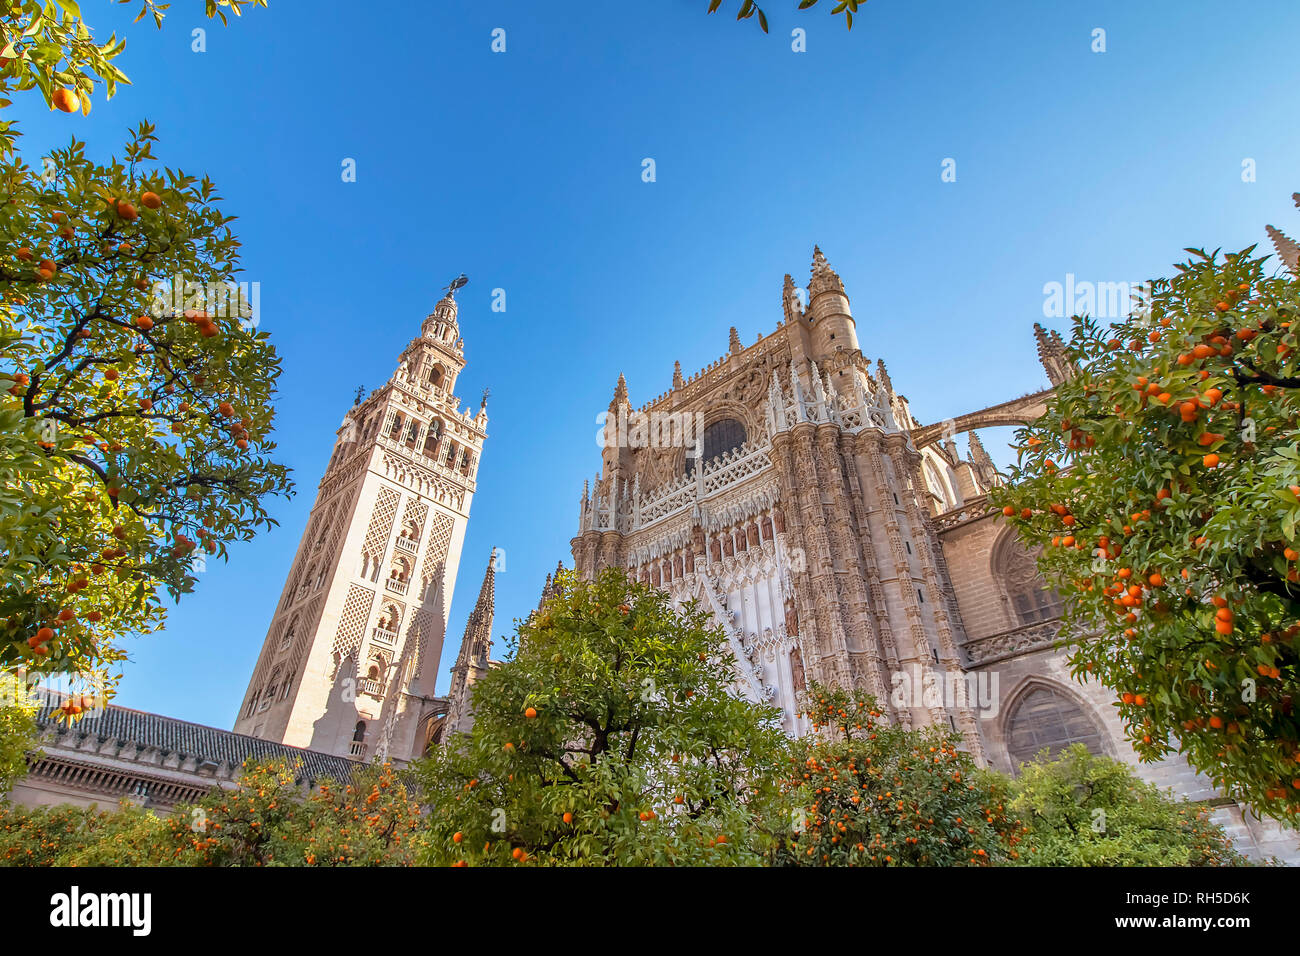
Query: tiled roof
pixel 181 737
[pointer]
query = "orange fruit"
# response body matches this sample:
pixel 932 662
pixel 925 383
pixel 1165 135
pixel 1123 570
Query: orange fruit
pixel 150 200
pixel 65 100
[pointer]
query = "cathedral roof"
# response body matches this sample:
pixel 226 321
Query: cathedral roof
pixel 172 736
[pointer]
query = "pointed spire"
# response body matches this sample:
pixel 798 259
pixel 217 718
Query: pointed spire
pixel 1052 355
pixel 1287 249
pixel 478 628
pixel 677 375
pixel 824 278
pixel 818 389
pixel 472 660
pixel 883 374
pixel 796 390
pixel 790 301
pixel 733 342
pixel 620 392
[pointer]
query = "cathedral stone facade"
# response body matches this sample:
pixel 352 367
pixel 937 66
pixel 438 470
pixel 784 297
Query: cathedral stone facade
pixel 351 656
pixel 789 490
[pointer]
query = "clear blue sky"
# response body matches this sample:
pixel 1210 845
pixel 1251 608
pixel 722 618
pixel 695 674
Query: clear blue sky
pixel 523 170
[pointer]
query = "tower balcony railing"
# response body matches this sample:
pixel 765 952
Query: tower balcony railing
pixel 435 465
pixel 384 636
pixel 356 749
pixel 396 585
pixel 371 687
pixel 407 545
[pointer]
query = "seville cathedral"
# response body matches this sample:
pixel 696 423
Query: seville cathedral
pixel 832 536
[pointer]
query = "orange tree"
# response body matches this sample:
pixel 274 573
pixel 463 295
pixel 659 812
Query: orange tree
pixel 143 427
pixel 612 738
pixel 860 792
pixel 17 730
pixel 133 430
pixel 1087 810
pixel 268 819
pixel 67 835
pixel 1163 484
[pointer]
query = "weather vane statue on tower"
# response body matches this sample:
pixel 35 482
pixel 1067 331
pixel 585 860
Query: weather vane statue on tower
pixel 456 283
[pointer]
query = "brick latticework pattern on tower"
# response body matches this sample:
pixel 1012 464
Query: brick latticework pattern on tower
pixel 381 522
pixel 431 618
pixel 352 622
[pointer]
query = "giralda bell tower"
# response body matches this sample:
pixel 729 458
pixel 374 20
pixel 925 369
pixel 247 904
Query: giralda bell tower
pixel 350 659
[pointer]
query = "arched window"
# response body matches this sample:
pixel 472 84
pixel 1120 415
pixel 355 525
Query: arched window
pixel 1046 719
pixel 938 487
pixel 288 637
pixel 435 376
pixel 719 438
pixel 359 733
pixel 1029 597
pixel 373 673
